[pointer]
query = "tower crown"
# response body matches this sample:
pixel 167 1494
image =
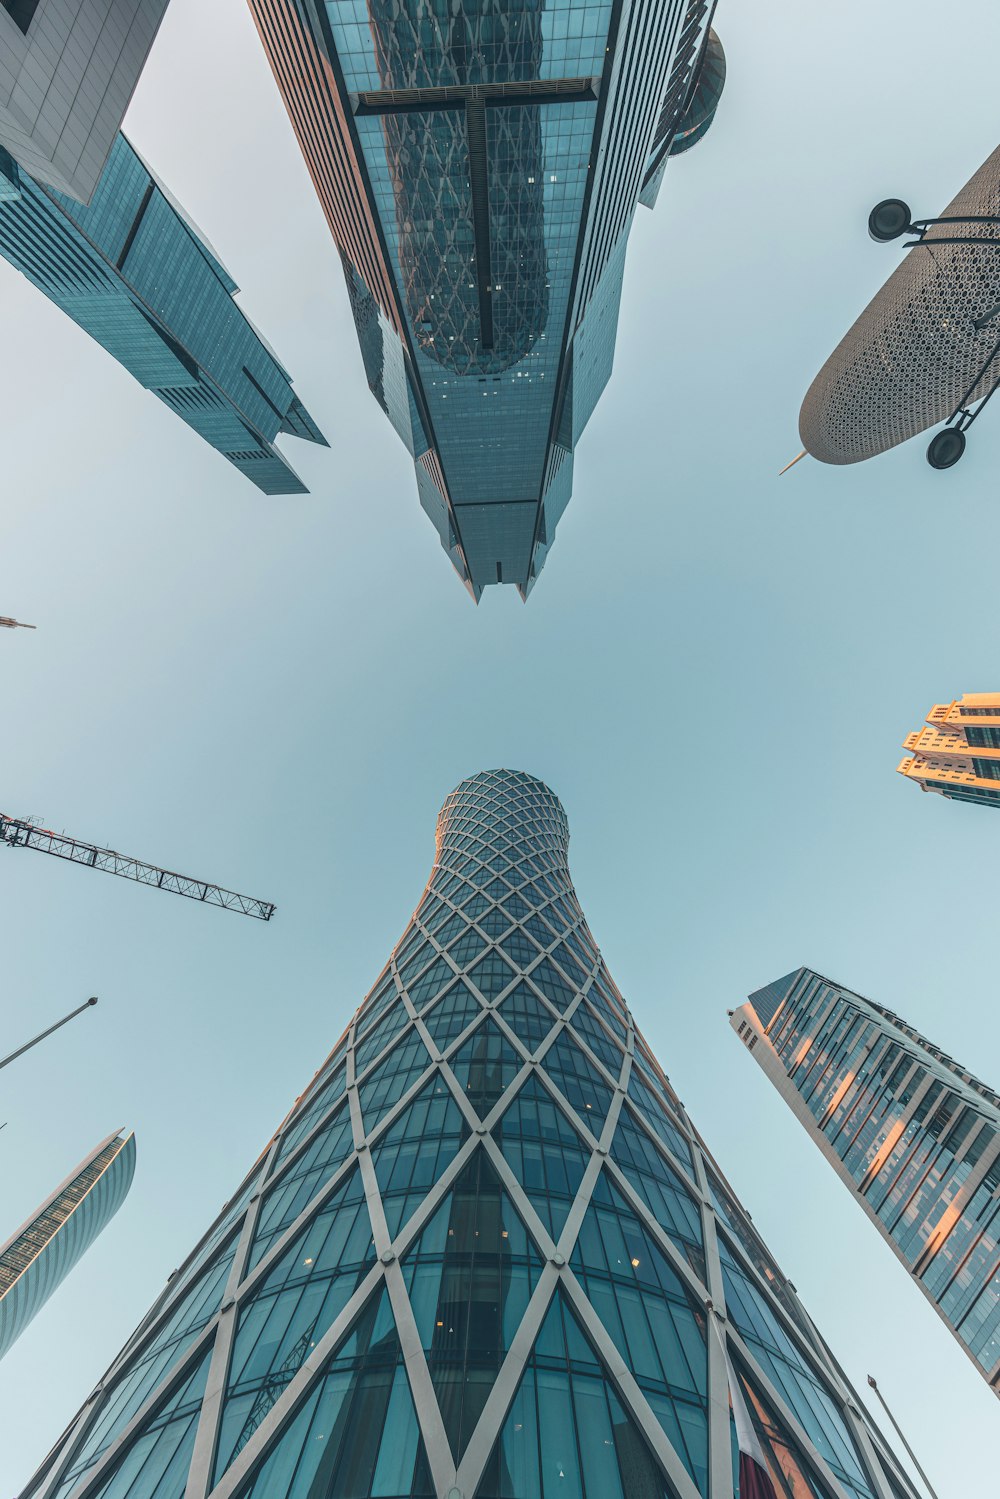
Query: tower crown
pixel 506 807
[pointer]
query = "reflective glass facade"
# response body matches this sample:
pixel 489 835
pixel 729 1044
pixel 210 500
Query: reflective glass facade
pixel 480 1257
pixel 915 1136
pixel 134 273
pixel 480 165
pixel 44 1250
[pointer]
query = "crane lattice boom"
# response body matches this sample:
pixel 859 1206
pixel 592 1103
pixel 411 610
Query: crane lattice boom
pixel 20 834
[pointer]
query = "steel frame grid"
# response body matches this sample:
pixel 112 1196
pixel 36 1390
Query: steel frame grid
pixel 460 1481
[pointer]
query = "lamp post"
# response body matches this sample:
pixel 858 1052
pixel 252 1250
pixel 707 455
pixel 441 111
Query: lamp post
pixel 899 1433
pixel 29 1044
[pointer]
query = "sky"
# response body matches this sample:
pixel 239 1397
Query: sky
pixel 715 673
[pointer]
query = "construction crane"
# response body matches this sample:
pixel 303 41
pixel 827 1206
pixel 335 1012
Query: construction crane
pixel 22 833
pixel 14 624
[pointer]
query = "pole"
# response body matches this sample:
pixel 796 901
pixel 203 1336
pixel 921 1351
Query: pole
pixel 29 1044
pixel 898 1430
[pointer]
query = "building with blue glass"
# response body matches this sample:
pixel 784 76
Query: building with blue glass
pixel 480 167
pixel 132 270
pixel 912 1133
pixel 486 1255
pixel 67 71
pixel 44 1250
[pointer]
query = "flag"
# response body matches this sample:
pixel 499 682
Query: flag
pixel 755 1480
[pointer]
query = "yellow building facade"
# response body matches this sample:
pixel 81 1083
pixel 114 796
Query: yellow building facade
pixel 957 753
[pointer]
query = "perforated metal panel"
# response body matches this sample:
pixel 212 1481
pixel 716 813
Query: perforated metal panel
pixel 913 353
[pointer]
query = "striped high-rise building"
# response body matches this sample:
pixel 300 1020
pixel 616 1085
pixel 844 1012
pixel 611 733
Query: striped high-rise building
pixel 480 165
pixel 39 1256
pixel 958 753
pixel 486 1255
pixel 911 1132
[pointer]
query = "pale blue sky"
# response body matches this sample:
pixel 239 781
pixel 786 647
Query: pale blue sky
pixel 714 673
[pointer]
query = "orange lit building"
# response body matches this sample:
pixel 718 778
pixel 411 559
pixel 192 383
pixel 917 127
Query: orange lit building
pixel 913 1134
pixel 957 754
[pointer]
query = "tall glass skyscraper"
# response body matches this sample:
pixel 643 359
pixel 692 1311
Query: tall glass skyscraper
pixel 485 1256
pixel 479 165
pixel 912 1133
pixel 44 1250
pixel 132 270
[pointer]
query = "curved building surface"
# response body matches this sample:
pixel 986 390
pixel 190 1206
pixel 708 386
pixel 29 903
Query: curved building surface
pixel 485 1256
pixel 44 1250
pixel 913 355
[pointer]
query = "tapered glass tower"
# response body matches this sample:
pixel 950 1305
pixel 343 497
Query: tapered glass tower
pixel 485 1256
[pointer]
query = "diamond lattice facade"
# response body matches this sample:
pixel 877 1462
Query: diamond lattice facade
pixel 924 344
pixel 479 166
pixel 957 754
pixel 482 1256
pixel 37 1259
pixel 912 1133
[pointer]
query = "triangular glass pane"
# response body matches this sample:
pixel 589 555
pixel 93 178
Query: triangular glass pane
pixel 357 1433
pixel 656 1114
pixel 567 1433
pixel 579 1082
pixel 597 1038
pixel 318 1105
pixel 527 1016
pixel 466 948
pixel 542 934
pixel 790 1373
pixel 291 1310
pixel 379 1002
pixel 437 976
pixel 544 1151
pixel 520 949
pixel 452 1014
pixel 378 1038
pixel 555 988
pixel 450 928
pixel 602 990
pixel 392 1078
pixel 470 1276
pixel 570 966
pixel 495 923
pixel 573 941
pixel 492 975
pixel 304 1178
pixel 408 947
pixel 485 1066
pixel 661 1189
pixel 162 1452
pixel 165 1351
pixel 790 1475
pixel 655 1326
pixel 416 1149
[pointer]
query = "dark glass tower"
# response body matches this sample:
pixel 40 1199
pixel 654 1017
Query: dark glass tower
pixel 485 1256
pixel 480 165
pixel 131 269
